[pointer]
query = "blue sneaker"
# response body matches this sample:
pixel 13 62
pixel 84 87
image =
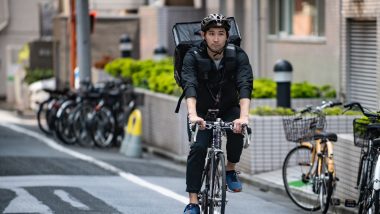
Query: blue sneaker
pixel 233 182
pixel 192 209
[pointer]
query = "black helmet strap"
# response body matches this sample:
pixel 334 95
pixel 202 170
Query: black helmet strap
pixel 217 52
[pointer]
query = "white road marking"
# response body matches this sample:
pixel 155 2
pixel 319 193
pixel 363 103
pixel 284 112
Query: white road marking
pixel 22 203
pixel 126 175
pixel 64 196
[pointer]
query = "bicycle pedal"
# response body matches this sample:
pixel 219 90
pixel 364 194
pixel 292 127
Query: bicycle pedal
pixel 350 203
pixel 335 201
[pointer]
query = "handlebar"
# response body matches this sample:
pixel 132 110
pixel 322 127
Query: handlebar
pixel 366 112
pixel 319 108
pixel 246 130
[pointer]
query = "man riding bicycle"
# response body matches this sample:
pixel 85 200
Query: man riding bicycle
pixel 217 79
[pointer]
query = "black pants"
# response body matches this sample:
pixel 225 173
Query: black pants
pixel 198 151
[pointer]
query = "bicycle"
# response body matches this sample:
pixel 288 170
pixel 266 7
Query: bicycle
pixel 47 110
pixel 366 135
pixel 308 170
pixel 212 198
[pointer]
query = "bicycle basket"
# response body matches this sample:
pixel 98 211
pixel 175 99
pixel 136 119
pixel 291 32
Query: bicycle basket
pixel 301 128
pixel 361 132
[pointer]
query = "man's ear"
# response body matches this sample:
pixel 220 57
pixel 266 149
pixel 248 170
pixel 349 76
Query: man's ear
pixel 203 34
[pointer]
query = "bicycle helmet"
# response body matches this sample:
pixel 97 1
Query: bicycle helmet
pixel 215 20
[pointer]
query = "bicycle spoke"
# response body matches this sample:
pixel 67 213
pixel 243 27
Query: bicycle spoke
pixel 299 183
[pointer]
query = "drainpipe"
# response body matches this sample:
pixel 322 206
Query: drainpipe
pixel 5 11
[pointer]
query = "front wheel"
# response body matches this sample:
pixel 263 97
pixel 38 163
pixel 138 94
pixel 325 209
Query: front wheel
pixel 299 181
pixel 218 185
pixel 364 193
pixel 375 198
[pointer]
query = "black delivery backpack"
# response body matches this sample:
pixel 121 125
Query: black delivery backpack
pixel 187 35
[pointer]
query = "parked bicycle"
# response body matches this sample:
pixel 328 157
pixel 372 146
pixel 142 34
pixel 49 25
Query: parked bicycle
pixel 94 115
pixel 46 113
pixel 308 171
pixel 367 136
pixel 212 197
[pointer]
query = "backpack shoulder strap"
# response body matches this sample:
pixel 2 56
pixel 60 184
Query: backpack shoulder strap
pixel 198 59
pixel 230 60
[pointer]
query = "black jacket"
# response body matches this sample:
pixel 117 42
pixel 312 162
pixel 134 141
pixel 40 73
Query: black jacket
pixel 232 86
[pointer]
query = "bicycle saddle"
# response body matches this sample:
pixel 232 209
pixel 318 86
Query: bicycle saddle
pixel 326 135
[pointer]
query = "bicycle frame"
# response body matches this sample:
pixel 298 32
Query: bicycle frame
pixel 318 150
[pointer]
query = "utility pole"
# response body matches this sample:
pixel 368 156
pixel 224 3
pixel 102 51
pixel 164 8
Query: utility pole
pixel 83 40
pixel 73 43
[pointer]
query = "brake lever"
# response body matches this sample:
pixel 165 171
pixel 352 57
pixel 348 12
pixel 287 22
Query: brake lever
pixel 247 137
pixel 195 133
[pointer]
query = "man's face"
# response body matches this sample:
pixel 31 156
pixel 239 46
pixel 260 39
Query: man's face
pixel 216 38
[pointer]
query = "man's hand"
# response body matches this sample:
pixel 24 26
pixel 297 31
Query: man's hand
pixel 194 119
pixel 238 124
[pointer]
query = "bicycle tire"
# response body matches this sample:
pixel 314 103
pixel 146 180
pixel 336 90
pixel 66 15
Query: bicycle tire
pixel 203 195
pixel 102 127
pixel 298 186
pixel 325 192
pixel 64 123
pixel 375 199
pixel 81 115
pixel 363 193
pixel 218 185
pixel 42 117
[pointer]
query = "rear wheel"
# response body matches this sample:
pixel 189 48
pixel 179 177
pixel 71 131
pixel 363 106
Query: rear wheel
pixel 81 118
pixel 299 183
pixel 43 116
pixel 103 127
pixel 64 124
pixel 326 190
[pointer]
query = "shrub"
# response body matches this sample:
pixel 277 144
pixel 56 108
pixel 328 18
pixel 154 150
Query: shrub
pixel 264 88
pixel 270 111
pixel 267 110
pixel 37 74
pixel 304 90
pixel 327 91
pixel 147 74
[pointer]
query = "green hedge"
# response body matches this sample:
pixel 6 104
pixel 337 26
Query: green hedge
pixel 270 111
pixel 153 75
pixel 37 74
pixel 158 76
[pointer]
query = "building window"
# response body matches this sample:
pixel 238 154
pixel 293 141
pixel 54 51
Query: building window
pixel 297 18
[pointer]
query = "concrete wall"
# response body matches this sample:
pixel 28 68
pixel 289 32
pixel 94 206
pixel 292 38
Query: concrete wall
pixel 23 27
pixel 366 9
pixel 314 59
